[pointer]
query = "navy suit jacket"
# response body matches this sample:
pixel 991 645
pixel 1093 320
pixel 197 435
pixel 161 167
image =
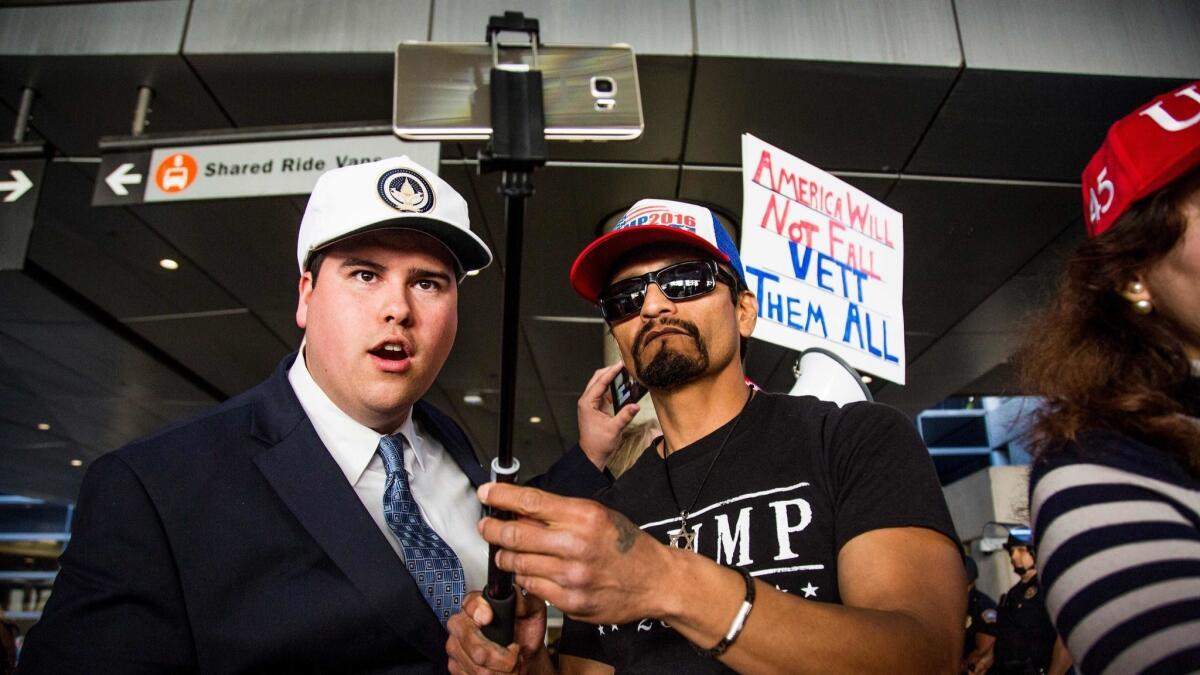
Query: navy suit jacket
pixel 234 543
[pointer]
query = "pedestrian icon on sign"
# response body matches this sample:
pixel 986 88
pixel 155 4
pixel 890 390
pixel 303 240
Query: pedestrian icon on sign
pixel 175 173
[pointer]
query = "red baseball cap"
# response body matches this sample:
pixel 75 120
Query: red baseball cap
pixel 653 221
pixel 1142 153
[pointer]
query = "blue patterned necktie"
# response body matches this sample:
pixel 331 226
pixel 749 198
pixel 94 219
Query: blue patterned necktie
pixel 432 563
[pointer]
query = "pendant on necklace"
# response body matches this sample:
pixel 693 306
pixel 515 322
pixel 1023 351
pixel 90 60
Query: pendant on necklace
pixel 684 537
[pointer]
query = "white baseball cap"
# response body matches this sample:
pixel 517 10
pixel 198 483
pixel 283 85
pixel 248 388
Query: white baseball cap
pixel 390 193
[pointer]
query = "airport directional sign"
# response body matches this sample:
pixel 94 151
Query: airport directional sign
pixel 238 170
pixel 121 179
pixel 15 188
pixel 20 185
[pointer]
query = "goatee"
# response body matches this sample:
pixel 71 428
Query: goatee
pixel 669 369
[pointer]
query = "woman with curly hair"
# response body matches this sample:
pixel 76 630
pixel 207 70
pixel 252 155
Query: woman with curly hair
pixel 1115 486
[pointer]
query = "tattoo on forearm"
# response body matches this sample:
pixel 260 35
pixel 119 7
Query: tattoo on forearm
pixel 627 532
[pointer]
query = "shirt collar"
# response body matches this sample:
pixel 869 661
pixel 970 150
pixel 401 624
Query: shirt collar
pixel 351 444
pixel 410 431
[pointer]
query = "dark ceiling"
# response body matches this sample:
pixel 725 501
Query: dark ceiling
pixel 104 345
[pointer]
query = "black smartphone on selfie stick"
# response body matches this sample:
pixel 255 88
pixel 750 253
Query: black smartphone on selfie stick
pixel 625 390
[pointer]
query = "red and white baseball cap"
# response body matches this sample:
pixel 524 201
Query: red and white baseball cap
pixel 1142 154
pixel 653 221
pixel 390 193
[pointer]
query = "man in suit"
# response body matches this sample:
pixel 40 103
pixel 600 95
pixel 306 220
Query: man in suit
pixel 325 520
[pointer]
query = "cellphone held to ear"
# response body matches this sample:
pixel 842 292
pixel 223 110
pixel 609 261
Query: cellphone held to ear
pixel 625 390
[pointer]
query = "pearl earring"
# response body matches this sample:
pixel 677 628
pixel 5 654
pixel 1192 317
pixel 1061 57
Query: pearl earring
pixel 1137 287
pixel 1143 307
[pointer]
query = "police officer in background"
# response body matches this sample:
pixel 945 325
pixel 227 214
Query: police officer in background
pixel 8 645
pixel 980 634
pixel 1026 643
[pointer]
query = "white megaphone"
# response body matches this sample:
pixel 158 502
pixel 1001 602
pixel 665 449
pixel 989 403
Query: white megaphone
pixel 827 376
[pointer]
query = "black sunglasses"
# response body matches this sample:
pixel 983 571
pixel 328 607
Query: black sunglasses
pixel 681 281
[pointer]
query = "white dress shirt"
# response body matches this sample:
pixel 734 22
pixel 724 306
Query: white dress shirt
pixel 441 489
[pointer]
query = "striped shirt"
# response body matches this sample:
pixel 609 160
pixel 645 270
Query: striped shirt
pixel 1117 528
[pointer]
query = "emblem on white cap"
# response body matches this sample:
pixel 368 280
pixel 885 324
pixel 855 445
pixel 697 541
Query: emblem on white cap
pixel 390 193
pixel 406 190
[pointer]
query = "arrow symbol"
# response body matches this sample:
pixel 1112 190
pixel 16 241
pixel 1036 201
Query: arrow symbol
pixel 16 187
pixel 117 180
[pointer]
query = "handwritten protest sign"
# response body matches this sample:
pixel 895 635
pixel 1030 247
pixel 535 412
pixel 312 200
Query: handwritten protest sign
pixel 825 259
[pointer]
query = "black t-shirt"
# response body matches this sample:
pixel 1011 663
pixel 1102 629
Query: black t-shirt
pixel 798 479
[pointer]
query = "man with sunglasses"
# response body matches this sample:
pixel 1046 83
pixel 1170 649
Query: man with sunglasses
pixel 764 533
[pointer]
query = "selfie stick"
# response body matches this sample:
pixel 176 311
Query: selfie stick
pixel 518 145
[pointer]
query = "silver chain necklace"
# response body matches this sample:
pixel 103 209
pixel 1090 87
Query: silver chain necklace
pixel 685 536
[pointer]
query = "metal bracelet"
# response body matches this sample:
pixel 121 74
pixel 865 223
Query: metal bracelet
pixel 739 620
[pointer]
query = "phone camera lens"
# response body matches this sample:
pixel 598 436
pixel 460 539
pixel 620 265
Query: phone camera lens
pixel 603 86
